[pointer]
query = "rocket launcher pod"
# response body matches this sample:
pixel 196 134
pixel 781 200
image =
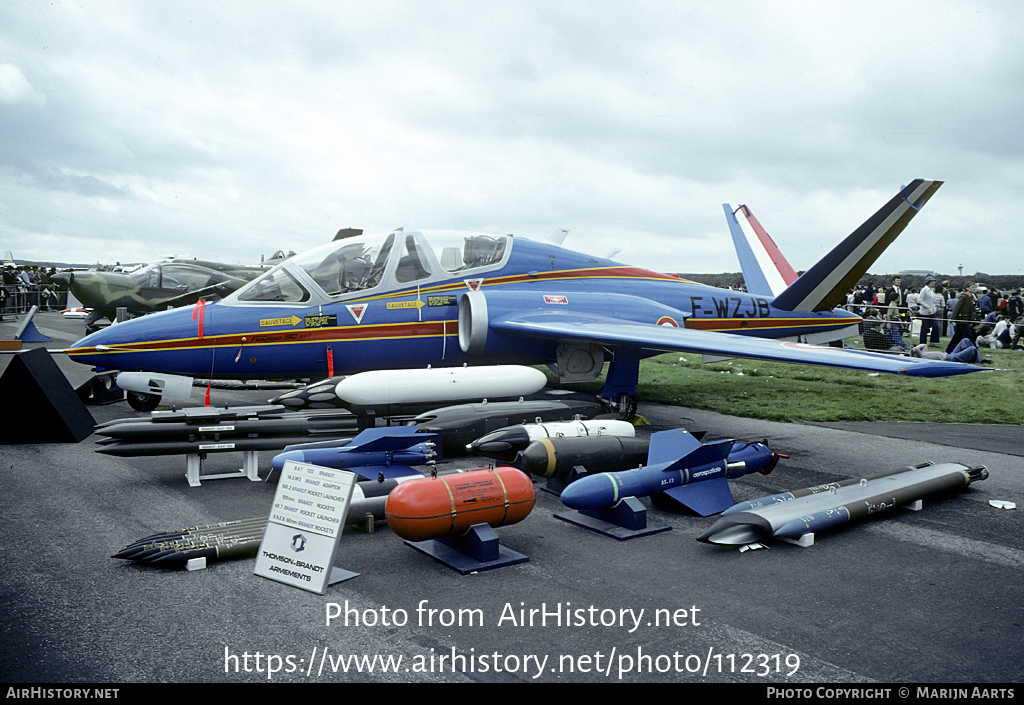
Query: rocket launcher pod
pixel 448 505
pixel 794 515
pixel 504 444
pixel 679 466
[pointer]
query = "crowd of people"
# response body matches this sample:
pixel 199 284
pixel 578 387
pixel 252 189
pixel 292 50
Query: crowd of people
pixel 988 318
pixel 27 286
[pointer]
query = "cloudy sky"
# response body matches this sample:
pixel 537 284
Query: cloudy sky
pixel 132 130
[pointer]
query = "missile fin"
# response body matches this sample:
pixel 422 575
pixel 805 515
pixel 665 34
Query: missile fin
pixel 667 446
pixel 385 438
pixel 703 455
pixel 705 498
pixel 372 472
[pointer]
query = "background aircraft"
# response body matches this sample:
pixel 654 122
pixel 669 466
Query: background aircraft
pixel 154 288
pixel 406 300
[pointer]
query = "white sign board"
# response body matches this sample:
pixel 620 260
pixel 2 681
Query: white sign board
pixel 305 523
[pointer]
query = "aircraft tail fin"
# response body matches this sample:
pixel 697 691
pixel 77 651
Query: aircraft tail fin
pixel 825 284
pixel 765 270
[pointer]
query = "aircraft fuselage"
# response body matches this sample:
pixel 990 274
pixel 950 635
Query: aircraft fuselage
pixel 410 317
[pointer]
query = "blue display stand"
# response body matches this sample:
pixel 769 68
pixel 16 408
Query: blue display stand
pixel 475 551
pixel 626 520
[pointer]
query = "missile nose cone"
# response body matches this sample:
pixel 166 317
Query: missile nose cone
pixel 281 458
pixel 534 459
pixel 736 535
pixel 737 529
pixel 503 443
pixel 491 447
pixel 592 492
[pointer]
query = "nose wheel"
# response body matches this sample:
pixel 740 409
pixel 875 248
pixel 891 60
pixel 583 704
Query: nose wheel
pixel 142 402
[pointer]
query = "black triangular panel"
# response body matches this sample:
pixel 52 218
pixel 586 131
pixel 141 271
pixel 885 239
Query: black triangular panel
pixel 43 407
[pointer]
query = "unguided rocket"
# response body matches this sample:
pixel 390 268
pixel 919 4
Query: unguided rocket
pixel 797 515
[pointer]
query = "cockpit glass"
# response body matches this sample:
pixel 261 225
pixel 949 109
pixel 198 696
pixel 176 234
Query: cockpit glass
pixel 458 251
pixel 275 285
pixel 349 265
pixel 148 277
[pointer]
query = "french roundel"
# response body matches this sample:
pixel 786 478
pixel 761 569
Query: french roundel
pixel 667 321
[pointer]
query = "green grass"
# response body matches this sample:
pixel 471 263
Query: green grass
pixel 788 392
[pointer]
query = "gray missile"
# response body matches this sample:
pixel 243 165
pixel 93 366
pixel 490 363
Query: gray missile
pixel 798 515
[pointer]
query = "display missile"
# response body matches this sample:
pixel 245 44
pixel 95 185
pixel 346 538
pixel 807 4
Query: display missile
pixel 388 450
pixel 816 489
pixel 462 423
pixel 505 444
pixel 808 511
pixel 556 457
pixel 391 392
pixel 127 449
pixel 206 430
pixel 678 465
pixel 206 415
pixel 287 423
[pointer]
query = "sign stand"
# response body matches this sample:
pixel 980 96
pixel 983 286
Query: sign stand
pixel 300 543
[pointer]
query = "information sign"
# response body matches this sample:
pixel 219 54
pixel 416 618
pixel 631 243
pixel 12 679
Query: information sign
pixel 304 526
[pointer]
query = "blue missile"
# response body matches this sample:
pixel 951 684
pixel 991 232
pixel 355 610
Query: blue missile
pixel 387 451
pixel 678 465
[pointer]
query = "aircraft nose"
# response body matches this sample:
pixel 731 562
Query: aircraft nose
pixel 101 340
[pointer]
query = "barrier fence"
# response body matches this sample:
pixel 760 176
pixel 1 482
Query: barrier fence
pixel 18 299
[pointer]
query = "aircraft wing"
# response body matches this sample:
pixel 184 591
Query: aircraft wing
pixel 595 328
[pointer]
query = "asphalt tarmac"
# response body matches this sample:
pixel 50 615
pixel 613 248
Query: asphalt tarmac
pixel 927 597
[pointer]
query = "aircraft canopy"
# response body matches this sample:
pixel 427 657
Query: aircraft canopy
pixel 361 264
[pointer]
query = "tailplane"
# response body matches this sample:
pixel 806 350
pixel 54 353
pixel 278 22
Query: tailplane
pixel 825 284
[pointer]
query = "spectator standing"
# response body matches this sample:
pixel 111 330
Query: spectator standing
pixel 927 308
pixel 961 316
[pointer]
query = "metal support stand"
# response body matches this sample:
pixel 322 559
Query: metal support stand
pixel 626 520
pixel 249 470
pixel 475 551
pixel 555 485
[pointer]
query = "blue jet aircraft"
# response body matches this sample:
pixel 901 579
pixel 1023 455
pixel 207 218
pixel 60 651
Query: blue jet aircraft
pixel 406 300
